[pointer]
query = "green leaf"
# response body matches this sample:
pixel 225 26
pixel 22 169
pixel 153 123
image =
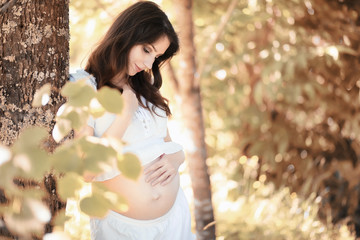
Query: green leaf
pixel 116 200
pixel 79 93
pixel 96 205
pixel 83 98
pixel 68 185
pixel 77 118
pixel 96 109
pixel 42 95
pixel 33 164
pixel 71 89
pixel 61 129
pixel 29 138
pixel 110 99
pixel 28 216
pixel 129 165
pixel 66 159
pixel 60 218
pixel 30 161
pixel 7 174
pixel 97 157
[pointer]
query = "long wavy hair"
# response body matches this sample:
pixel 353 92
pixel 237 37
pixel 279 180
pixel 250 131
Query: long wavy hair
pixel 141 23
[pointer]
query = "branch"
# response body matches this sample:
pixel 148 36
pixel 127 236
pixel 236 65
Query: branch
pixel 225 19
pixel 7 5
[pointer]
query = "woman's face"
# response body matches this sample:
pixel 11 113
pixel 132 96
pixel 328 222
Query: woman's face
pixel 142 56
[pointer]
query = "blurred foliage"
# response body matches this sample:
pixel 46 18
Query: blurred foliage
pixel 264 212
pixel 25 212
pixel 283 84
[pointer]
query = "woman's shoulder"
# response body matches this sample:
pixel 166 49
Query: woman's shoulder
pixel 82 74
pixel 131 101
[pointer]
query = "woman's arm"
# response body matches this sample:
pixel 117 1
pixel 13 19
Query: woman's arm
pixel 117 128
pixel 165 169
pixel 86 131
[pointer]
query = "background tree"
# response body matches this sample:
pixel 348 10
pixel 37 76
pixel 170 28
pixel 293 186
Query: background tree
pixel 280 88
pixel 189 90
pixel 191 110
pixel 34 50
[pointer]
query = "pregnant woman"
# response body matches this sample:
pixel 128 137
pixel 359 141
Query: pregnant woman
pixel 128 59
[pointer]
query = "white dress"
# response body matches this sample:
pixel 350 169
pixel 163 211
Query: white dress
pixel 145 138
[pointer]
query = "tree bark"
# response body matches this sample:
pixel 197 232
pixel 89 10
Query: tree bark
pixel 193 119
pixel 34 50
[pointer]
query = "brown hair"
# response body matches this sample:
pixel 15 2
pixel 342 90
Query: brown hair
pixel 142 23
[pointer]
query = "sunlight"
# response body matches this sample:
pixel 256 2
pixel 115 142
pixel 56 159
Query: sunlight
pixel 220 74
pixel 277 57
pixel 243 159
pixel 40 211
pixel 90 27
pixel 5 154
pixel 23 162
pixel 276 44
pixel 333 52
pixel 264 54
pixel 219 47
pixel 292 37
pixel 180 134
pixel 252 4
pixel 251 45
pixel 226 206
pixel 45 99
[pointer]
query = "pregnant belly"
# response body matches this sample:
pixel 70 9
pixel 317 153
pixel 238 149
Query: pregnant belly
pixel 144 201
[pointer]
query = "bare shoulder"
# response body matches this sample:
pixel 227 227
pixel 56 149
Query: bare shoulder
pixel 130 100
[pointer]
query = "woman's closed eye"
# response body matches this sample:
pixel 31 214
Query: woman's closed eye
pixel 146 50
pixel 149 50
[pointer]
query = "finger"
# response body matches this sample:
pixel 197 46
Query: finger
pixel 153 167
pixel 88 179
pixel 156 164
pixel 153 176
pixel 160 179
pixel 166 177
pixel 150 169
pixel 167 180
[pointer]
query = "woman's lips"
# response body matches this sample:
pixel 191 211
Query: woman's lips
pixel 137 68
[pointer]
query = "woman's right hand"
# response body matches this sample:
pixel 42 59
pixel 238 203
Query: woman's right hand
pixel 164 169
pixel 88 176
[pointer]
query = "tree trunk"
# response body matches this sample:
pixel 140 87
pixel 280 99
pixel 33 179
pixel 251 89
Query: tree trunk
pixel 192 116
pixel 34 50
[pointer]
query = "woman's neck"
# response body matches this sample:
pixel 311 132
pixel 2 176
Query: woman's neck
pixel 120 80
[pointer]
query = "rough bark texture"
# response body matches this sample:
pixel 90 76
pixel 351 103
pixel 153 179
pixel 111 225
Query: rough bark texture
pixel 193 119
pixel 34 50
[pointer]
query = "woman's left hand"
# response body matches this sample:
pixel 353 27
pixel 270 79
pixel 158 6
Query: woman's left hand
pixel 164 169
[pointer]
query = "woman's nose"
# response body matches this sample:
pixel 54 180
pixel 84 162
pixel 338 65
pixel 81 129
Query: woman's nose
pixel 149 62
